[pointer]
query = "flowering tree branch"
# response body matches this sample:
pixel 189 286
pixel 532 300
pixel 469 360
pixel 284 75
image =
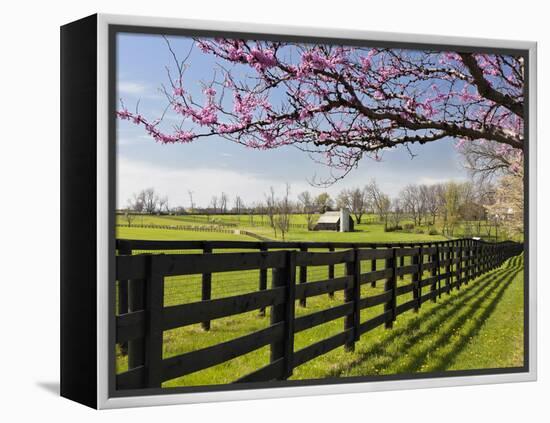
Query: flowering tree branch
pixel 341 102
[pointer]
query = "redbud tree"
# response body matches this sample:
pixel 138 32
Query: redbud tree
pixel 343 103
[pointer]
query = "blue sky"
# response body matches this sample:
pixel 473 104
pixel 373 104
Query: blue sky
pixel 213 165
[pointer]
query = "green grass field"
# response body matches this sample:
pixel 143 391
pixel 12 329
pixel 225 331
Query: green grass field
pixel 479 326
pixel 363 233
pixel 370 231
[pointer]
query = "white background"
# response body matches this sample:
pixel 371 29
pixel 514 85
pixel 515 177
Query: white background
pixel 29 224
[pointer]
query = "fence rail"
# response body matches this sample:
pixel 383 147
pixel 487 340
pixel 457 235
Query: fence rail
pixel 196 228
pixel 143 317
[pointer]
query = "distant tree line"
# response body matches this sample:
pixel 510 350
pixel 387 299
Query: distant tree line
pixel 448 204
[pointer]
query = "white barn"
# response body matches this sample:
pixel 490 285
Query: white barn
pixel 335 221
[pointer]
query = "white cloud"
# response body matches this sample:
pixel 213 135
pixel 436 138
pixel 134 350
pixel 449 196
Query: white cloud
pixel 136 89
pixel 426 180
pixel 127 141
pixel 132 176
pixel 131 87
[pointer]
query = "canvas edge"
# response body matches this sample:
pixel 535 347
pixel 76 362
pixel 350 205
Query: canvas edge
pixel 103 399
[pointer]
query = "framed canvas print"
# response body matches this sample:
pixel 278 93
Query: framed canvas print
pixel 254 211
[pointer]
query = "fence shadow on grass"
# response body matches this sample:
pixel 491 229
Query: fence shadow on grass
pixel 448 316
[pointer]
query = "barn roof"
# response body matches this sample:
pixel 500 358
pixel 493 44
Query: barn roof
pixel 329 217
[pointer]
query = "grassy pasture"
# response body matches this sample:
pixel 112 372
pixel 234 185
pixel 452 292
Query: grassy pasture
pixel 370 231
pixel 479 326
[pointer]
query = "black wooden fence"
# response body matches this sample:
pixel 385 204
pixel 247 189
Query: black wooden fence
pixel 143 318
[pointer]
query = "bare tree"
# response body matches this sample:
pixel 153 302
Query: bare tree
pixel 396 212
pixel 214 204
pixel 251 210
pixel 136 203
pixel 191 203
pixel 429 199
pixel 323 202
pixel 150 200
pixel 223 202
pixel 284 211
pixel 162 205
pixel 271 208
pixel 129 216
pixel 411 202
pixel 380 201
pixel 489 160
pixel 308 207
pixel 356 200
pixel 260 209
pixel 147 201
pixel 239 205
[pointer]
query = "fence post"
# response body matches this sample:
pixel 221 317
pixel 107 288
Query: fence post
pixel 484 258
pixel 481 253
pixel 475 252
pixel 263 280
pixel 284 349
pixel 448 259
pixel 438 252
pixel 154 302
pixel 467 261
pixel 459 265
pixel 136 302
pixel 390 286
pixel 353 294
pixel 124 250
pixel 206 284
pixel 481 259
pixel 434 272
pixel 373 268
pixel 417 278
pixel 331 272
pixel 469 273
pixel 303 277
pixel 401 261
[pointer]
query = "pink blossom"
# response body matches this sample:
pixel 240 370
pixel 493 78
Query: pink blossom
pixel 316 60
pixel 123 114
pixel 366 61
pixel 304 113
pixel 296 133
pixel 184 136
pixel 262 59
pixel 210 92
pixel 178 91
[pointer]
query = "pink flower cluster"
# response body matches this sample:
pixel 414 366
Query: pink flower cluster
pixel 262 59
pixel 342 97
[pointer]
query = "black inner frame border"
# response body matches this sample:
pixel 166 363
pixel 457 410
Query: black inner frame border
pixel 114 29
